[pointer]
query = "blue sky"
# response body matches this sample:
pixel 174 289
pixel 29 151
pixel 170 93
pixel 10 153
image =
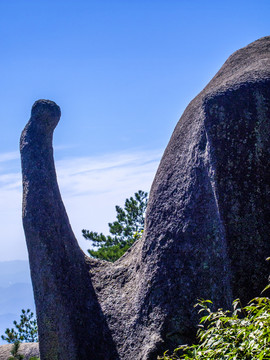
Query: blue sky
pixel 122 72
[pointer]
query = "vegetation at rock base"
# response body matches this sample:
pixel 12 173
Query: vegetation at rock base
pixel 124 231
pixel 25 331
pixel 243 333
pixel 14 352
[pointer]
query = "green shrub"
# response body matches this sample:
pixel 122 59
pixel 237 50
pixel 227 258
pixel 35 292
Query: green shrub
pixel 243 333
pixel 25 331
pixel 14 352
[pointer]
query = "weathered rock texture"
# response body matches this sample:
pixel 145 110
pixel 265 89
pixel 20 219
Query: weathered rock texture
pixel 206 230
pixel 26 349
pixel 66 303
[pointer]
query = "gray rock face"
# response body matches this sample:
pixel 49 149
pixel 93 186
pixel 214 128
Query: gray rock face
pixel 27 349
pixel 206 230
pixel 66 303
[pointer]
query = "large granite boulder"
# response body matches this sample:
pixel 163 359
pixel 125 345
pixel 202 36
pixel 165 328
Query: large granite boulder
pixel 206 230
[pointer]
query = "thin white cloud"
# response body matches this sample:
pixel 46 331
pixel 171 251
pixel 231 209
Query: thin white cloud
pixel 13 155
pixel 10 181
pixel 90 188
pixel 107 173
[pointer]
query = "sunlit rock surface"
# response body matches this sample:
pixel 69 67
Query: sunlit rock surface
pixel 206 230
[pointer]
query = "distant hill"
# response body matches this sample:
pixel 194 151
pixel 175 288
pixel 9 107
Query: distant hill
pixel 15 292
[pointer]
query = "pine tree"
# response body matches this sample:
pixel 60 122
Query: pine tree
pixel 14 352
pixel 25 330
pixel 124 231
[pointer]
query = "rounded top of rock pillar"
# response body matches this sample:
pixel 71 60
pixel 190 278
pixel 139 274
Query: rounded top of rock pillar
pixel 46 113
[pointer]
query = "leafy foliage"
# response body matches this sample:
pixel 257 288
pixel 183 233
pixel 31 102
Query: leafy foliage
pixel 25 330
pixel 124 231
pixel 14 352
pixel 243 333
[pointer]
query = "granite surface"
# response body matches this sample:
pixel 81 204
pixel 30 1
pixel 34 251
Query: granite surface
pixel 206 230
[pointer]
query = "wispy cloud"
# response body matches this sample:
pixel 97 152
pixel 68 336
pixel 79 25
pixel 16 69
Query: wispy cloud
pixel 13 155
pixel 107 173
pixel 90 188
